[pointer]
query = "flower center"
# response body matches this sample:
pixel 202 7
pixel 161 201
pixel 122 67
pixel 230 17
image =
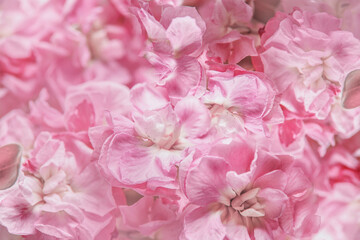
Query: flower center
pixel 244 205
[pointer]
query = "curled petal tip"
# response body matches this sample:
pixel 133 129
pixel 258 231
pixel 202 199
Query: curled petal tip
pixel 10 156
pixel 351 91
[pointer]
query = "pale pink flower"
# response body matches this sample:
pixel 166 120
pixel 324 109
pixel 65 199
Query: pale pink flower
pixel 306 56
pixel 57 195
pixel 143 151
pixel 243 193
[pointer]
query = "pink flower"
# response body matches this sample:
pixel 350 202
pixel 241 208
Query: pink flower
pixel 143 151
pixel 308 60
pixel 57 195
pixel 240 100
pixel 242 193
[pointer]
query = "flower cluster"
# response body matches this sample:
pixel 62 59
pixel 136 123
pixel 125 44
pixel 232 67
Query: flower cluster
pixel 179 119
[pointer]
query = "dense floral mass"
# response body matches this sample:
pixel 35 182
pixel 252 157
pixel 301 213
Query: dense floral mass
pixel 179 119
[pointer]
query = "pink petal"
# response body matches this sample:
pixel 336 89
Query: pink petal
pixel 184 35
pixel 206 182
pixel 264 164
pixel 194 116
pixel 16 47
pixel 202 224
pixel 233 47
pixel 239 10
pixel 130 162
pixel 351 91
pixel 289 131
pixel 170 13
pixel 94 194
pixel 251 95
pixel 238 182
pixel 81 117
pixel 239 154
pixel 10 156
pixel 305 221
pixel 274 202
pixel 145 97
pixel 96 227
pixel 183 77
pixel 237 232
pixel 298 184
pixel 276 179
pixel 261 233
pixel 60 227
pixel 16 214
pixel 147 215
pixel 154 29
pixel 4 234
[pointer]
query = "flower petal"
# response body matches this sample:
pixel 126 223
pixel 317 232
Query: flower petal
pixel 9 164
pixel 201 224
